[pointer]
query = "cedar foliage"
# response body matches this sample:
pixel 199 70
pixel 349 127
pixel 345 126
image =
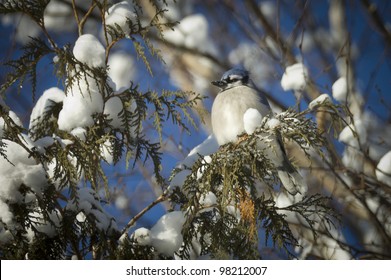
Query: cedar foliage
pixel 241 177
pixel 81 163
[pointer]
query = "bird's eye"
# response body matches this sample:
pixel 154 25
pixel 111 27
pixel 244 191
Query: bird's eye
pixel 232 80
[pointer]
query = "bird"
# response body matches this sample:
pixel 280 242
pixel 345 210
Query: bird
pixel 238 97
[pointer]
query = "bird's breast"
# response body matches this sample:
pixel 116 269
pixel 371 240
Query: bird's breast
pixel 228 110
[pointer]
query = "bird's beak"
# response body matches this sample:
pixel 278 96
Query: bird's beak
pixel 219 83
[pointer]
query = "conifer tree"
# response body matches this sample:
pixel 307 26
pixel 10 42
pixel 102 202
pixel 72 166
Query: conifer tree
pixel 222 202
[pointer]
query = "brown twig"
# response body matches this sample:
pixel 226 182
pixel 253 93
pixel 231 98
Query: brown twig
pixel 377 20
pixel 161 198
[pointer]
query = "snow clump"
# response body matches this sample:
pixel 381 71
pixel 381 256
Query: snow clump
pixel 295 77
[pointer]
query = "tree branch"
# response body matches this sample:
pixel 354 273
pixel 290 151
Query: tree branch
pixel 377 20
pixel 161 198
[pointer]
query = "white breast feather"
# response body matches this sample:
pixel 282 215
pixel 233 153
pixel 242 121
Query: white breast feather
pixel 228 111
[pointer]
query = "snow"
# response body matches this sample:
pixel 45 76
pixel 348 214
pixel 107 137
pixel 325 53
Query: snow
pixel 90 51
pixel 353 159
pixel 49 97
pixel 121 70
pixel 15 118
pixel 340 89
pixel 83 96
pixel 379 134
pixel 268 8
pixel 325 246
pixel 283 200
pixel 5 235
pixel 208 199
pixel 113 107
pixel 176 9
pixel 20 169
pixel 77 110
pixel 305 41
pixel 179 178
pixel 383 170
pixel 328 248
pixel 295 77
pixel 252 118
pixel 121 202
pixel 107 152
pixel 207 147
pixel 192 32
pixel 119 14
pixel 273 123
pixel 374 138
pixel 206 160
pixel 6 215
pixel 43 143
pixel 88 202
pixel 81 217
pixel 348 136
pixel 142 236
pixel 2 126
pixel 323 98
pixel 58 17
pixel 42 224
pixel 166 234
pixel 80 133
pixel 50 169
pixel 234 211
pixel 64 142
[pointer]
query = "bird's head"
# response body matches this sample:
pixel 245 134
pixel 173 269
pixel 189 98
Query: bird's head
pixel 233 78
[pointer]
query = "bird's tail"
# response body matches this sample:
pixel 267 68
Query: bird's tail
pixel 291 179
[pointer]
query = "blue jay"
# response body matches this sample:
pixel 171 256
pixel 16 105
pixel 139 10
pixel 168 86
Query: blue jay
pixel 238 94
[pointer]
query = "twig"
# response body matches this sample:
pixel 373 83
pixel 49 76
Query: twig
pixel 271 32
pixel 377 20
pixel 76 14
pixel 161 198
pixel 84 19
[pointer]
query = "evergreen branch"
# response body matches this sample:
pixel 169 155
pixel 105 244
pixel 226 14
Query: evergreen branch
pixel 140 49
pixel 275 225
pixel 179 99
pixel 35 9
pixel 152 151
pixel 314 209
pixel 233 172
pixel 26 65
